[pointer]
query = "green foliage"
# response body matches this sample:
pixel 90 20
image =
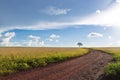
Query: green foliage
pixel 18 59
pixel 35 62
pixel 6 72
pixel 21 66
pixel 79 44
pixel 116 57
pixel 112 69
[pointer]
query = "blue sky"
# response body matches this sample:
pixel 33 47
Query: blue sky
pixel 57 23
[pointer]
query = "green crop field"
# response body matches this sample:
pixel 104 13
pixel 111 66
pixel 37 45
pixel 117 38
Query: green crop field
pixel 17 59
pixel 112 69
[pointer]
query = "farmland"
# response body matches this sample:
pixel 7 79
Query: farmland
pixel 87 67
pixel 15 59
pixel 112 70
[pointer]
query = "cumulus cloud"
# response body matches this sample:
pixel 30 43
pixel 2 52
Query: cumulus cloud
pixel 34 41
pixel 9 35
pixel 53 37
pixel 5 38
pixel 55 11
pixel 36 38
pixel 94 34
pixel 98 11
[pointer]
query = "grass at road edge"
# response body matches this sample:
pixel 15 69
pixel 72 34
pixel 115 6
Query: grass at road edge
pixel 112 70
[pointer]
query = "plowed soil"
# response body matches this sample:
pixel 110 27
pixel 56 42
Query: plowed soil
pixel 87 67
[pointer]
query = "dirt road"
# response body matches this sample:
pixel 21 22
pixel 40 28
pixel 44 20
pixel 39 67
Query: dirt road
pixel 88 67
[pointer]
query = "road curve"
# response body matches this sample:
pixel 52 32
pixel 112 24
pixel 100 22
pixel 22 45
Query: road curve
pixel 88 67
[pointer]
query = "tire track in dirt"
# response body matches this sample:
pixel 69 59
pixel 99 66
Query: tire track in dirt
pixel 88 67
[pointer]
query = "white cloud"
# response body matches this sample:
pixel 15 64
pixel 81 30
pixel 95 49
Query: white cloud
pixel 36 38
pixel 107 18
pixel 15 44
pixel 53 37
pixel 98 11
pixel 0 35
pixel 104 28
pixel 55 11
pixel 48 39
pixel 115 43
pixel 94 34
pixel 9 35
pixel 118 42
pixel 34 41
pixel 118 1
pixel 56 40
pixel 5 39
pixel 109 37
pixel 29 43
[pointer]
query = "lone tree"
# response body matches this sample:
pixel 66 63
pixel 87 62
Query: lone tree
pixel 79 44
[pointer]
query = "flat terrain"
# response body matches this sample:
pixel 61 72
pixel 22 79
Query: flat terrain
pixel 15 59
pixel 88 67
